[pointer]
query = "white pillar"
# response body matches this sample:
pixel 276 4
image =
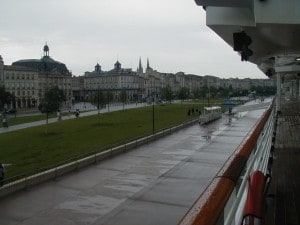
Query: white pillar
pixel 298 84
pixel 278 98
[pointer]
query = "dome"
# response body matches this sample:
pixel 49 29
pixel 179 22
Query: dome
pixel 117 65
pixel 98 68
pixel 46 48
pixel 45 64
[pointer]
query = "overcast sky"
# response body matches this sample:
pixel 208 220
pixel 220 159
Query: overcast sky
pixel 171 33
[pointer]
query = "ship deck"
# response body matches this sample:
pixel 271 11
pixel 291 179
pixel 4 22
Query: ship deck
pixel 284 196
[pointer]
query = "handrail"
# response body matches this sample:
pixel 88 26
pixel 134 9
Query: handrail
pixel 257 161
pixel 210 205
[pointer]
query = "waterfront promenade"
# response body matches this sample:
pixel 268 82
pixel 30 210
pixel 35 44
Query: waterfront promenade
pixel 154 184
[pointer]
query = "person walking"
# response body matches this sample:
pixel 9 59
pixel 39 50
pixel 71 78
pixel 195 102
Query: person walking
pixel 4 122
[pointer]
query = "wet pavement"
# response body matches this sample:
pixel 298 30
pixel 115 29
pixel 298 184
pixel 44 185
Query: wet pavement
pixel 154 184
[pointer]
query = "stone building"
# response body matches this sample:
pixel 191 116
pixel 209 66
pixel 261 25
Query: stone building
pixel 1 71
pixel 29 79
pixel 111 83
pixel 22 82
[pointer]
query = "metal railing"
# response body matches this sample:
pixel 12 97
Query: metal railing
pixel 244 108
pixel 223 200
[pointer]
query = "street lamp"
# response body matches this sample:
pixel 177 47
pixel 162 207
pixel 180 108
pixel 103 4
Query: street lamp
pixel 153 95
pixel 98 100
pixel 107 100
pixel 208 83
pixel 47 104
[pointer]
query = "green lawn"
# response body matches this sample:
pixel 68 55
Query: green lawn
pixel 31 150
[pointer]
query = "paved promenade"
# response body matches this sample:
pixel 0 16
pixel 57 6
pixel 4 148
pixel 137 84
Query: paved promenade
pixel 81 106
pixel 154 184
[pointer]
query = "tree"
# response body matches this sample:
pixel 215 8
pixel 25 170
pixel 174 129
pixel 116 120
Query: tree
pixel 197 93
pixel 52 99
pixel 109 97
pixel 123 96
pixel 224 92
pixel 98 99
pixel 213 91
pixel 204 92
pixel 167 93
pixel 183 93
pixel 5 97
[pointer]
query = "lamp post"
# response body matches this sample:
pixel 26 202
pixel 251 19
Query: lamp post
pixel 46 97
pixel 98 100
pixel 153 102
pixel 208 83
pixel 107 101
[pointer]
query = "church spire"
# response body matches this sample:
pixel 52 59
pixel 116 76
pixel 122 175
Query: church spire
pixel 140 68
pixel 148 63
pixel 148 69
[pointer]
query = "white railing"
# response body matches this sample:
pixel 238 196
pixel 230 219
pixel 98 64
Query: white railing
pixel 256 106
pixel 258 161
pixel 224 199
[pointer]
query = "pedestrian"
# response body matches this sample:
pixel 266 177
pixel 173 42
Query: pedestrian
pixel 4 122
pixel 1 174
pixel 58 115
pixel 77 112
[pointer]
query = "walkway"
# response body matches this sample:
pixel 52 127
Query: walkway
pixel 284 209
pixel 154 184
pixel 111 108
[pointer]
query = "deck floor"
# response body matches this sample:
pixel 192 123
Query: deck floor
pixel 284 203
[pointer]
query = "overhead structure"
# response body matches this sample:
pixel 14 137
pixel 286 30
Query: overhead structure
pixel 264 32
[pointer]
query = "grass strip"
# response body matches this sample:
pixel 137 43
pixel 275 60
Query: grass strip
pixel 32 150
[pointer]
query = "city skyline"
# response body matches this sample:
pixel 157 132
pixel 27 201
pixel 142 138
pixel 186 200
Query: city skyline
pixel 172 34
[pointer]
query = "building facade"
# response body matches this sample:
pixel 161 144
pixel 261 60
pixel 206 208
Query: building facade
pixel 22 83
pixel 1 71
pixel 29 79
pixel 112 83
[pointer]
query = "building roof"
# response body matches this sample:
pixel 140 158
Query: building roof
pixel 18 68
pixel 45 64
